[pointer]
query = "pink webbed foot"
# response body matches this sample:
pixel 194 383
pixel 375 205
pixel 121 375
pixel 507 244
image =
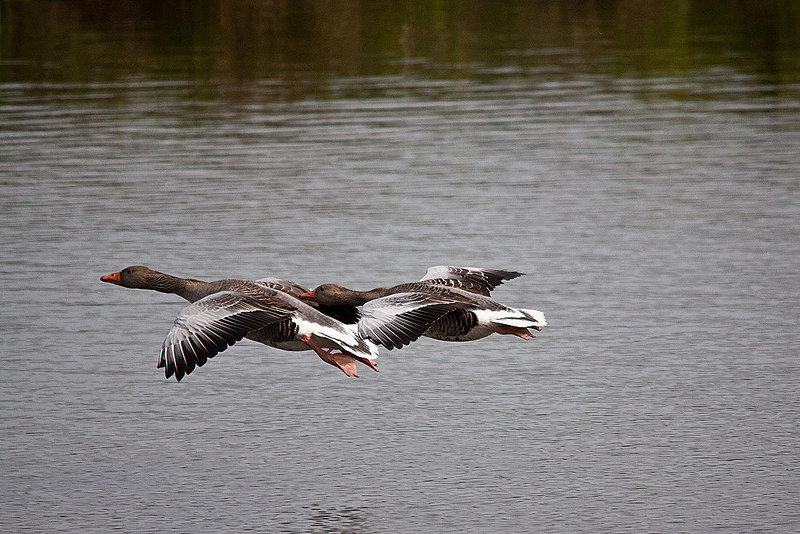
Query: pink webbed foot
pixel 369 363
pixel 524 333
pixel 344 362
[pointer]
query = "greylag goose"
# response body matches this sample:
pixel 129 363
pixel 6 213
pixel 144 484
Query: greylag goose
pixel 474 315
pixel 225 311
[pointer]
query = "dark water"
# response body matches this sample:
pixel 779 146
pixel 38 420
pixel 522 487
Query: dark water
pixel 639 163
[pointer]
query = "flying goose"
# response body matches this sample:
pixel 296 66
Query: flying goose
pixel 473 315
pixel 267 311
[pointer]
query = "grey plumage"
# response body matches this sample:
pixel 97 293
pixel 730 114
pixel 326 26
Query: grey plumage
pixel 472 313
pixel 398 319
pixel 209 326
pixel 474 279
pixel 225 311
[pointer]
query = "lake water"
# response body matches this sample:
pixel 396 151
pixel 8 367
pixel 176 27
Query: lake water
pixel 655 210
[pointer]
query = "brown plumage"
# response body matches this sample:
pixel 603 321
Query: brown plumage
pixel 224 311
pixel 473 315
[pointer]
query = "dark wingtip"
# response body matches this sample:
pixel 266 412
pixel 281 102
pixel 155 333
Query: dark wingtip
pixel 169 369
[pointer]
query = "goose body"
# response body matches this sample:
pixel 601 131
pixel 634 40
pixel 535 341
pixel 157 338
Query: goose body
pixel 225 311
pixel 472 313
pixel 482 317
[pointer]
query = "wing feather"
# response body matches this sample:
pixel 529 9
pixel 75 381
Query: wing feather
pixel 209 326
pixel 474 279
pixel 344 314
pixel 398 319
pixel 280 284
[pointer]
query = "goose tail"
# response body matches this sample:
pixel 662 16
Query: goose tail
pixel 535 316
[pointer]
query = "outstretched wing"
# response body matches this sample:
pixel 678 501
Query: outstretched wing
pixel 397 320
pixel 474 279
pixel 212 324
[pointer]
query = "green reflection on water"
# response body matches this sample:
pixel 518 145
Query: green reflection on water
pixel 299 46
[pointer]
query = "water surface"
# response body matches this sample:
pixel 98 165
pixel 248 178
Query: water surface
pixel 653 204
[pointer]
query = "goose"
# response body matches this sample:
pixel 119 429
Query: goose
pixel 266 310
pixel 474 314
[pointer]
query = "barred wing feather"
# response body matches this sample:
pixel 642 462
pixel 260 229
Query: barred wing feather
pixel 209 326
pixel 473 279
pixel 280 284
pixel 396 320
pixel 344 314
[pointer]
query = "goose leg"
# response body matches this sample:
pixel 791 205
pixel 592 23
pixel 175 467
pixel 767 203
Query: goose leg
pixel 524 333
pixel 344 362
pixel 369 363
pixel 372 365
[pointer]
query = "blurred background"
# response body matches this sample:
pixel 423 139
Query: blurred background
pixel 638 160
pixel 304 46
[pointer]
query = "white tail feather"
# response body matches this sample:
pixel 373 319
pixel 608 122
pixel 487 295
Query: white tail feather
pixel 347 339
pixel 516 321
pixel 535 315
pixel 361 344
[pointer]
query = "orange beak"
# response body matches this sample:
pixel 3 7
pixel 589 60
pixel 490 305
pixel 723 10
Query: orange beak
pixel 112 278
pixel 307 295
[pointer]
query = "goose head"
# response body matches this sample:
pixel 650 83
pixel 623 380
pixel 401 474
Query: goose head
pixel 334 295
pixel 136 277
